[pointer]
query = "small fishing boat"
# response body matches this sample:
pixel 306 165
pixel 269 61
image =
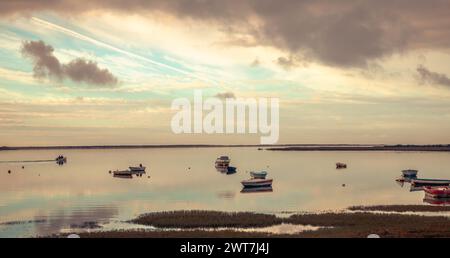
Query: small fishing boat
pixel 258 174
pixel 138 169
pixel 341 165
pixel 251 183
pixel 429 182
pixel 122 173
pixel 438 192
pixel 409 173
pixel 223 161
pixel 61 158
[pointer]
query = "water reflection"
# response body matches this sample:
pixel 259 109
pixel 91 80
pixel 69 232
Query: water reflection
pixel 263 189
pixel 305 181
pixel 437 201
pixel 226 170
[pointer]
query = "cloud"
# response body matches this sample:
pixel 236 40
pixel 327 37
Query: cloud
pixel 336 33
pixel 225 95
pixel 429 77
pixel 290 62
pixel 46 65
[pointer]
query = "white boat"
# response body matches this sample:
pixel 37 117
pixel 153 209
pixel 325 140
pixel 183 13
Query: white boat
pixel 257 183
pixel 409 173
pixel 258 174
pixel 223 161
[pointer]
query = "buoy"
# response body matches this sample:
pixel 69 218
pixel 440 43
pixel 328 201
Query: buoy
pixel 23 167
pixel 343 185
pixel 9 171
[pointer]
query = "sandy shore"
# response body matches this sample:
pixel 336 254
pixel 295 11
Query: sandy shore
pixel 332 224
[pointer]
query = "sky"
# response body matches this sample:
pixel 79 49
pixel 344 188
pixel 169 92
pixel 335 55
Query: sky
pixel 106 72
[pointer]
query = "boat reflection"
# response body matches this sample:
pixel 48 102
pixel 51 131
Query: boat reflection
pixel 415 188
pixel 226 170
pixel 123 176
pixel 257 189
pixel 437 201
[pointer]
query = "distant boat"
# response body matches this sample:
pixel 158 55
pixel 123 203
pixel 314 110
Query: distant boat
pixel 341 165
pixel 252 183
pixel 258 174
pixel 409 173
pixel 61 159
pixel 122 173
pixel 429 182
pixel 223 161
pixel 139 169
pixel 437 192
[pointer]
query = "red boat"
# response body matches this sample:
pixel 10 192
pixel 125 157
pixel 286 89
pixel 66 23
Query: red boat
pixel 438 191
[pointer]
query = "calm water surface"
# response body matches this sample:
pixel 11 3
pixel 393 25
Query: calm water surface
pixel 45 198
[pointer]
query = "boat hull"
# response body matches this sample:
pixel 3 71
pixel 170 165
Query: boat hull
pixel 437 192
pixel 429 182
pixel 256 183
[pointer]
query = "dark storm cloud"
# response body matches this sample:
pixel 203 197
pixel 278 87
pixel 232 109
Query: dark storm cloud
pixel 429 77
pixel 46 65
pixel 337 33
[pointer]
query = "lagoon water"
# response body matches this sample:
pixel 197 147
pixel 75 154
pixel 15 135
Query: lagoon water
pixel 45 198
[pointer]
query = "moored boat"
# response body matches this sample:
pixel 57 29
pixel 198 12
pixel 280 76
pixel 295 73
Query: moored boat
pixel 429 182
pixel 409 173
pixel 251 183
pixel 223 161
pixel 258 174
pixel 61 158
pixel 438 192
pixel 138 169
pixel 341 165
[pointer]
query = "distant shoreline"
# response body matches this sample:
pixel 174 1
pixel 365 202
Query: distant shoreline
pixel 431 148
pixel 277 147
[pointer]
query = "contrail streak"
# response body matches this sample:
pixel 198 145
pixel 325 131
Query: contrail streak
pixel 111 47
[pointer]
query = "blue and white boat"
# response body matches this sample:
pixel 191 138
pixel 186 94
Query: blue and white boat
pixel 258 174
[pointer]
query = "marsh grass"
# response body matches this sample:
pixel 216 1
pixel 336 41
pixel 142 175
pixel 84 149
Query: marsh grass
pixel 355 224
pixel 198 219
